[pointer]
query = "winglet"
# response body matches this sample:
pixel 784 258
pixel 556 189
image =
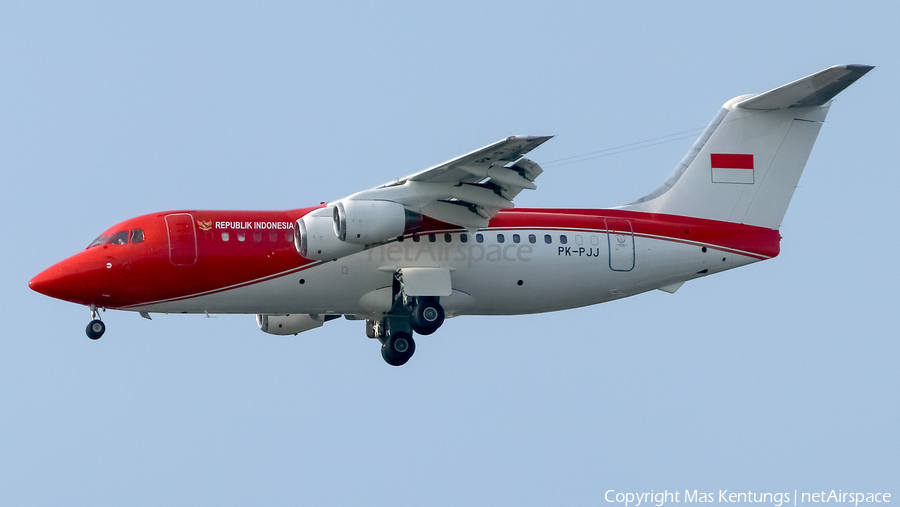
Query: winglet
pixel 812 90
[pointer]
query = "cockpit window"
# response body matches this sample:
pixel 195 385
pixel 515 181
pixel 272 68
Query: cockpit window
pixel 99 241
pixel 119 238
pixel 137 235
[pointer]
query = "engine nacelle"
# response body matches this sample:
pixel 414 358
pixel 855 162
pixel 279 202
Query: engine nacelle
pixel 314 238
pixel 288 324
pixel 366 222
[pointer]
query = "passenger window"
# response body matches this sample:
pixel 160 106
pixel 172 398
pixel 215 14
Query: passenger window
pixel 479 238
pixel 548 239
pixel 415 238
pixel 137 235
pixel 448 238
pixel 289 236
pixel 273 236
pixel 257 236
pixel 119 238
pixel 431 238
pixel 99 241
pixel 241 236
pixel 578 239
pixel 562 239
pixel 500 238
pixel 595 241
pixel 463 238
pixel 224 236
pixel 532 238
pixel 516 238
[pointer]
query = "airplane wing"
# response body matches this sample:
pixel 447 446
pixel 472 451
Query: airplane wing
pixel 470 189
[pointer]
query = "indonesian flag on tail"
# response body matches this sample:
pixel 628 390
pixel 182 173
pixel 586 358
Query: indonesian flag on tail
pixel 732 168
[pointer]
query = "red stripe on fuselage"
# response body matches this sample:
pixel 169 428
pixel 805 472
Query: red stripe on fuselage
pixel 758 242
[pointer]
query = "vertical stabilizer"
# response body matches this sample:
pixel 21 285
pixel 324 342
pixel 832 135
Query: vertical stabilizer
pixel 746 164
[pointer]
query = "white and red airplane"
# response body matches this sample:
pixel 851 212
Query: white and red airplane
pixel 446 241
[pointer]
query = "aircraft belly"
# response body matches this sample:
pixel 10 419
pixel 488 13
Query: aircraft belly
pixel 487 279
pixel 556 280
pixel 330 288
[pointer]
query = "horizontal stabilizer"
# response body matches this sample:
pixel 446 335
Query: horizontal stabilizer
pixel 812 90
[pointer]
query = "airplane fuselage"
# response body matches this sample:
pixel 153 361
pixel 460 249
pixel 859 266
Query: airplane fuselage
pixel 525 261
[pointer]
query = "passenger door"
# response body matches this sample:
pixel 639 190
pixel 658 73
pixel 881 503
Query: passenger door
pixel 620 237
pixel 182 239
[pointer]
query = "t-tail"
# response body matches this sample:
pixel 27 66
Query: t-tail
pixel 746 164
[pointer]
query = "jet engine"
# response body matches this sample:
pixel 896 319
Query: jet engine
pixel 314 238
pixel 364 222
pixel 349 226
pixel 290 324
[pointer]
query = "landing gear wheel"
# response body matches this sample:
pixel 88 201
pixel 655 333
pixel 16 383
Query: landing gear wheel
pixel 427 316
pixel 398 348
pixel 95 329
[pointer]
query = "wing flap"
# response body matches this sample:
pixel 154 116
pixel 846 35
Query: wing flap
pixel 509 178
pixel 479 196
pixel 457 214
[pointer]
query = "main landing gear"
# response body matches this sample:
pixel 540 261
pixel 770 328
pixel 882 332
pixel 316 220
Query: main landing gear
pixel 427 315
pixel 398 348
pixel 395 334
pixel 96 327
pixel 422 314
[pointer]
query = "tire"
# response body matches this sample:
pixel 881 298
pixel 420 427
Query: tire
pixel 95 329
pixel 427 316
pixel 398 348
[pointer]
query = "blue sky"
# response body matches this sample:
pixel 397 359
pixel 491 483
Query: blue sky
pixel 779 376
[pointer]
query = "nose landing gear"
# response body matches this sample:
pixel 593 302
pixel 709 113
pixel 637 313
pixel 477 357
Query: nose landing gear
pixel 96 327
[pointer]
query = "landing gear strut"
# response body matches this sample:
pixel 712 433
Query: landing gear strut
pixel 96 327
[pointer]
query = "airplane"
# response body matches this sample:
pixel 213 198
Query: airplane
pixel 447 241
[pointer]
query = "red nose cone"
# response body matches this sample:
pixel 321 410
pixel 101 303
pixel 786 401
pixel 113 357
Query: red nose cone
pixel 46 281
pixel 69 280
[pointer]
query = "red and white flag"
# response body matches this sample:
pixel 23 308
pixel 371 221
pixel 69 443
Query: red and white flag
pixel 732 168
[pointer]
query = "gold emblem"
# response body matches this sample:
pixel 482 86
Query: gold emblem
pixel 205 225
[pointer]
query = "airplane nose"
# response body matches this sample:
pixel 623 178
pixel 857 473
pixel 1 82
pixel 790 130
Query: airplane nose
pixel 69 280
pixel 47 281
